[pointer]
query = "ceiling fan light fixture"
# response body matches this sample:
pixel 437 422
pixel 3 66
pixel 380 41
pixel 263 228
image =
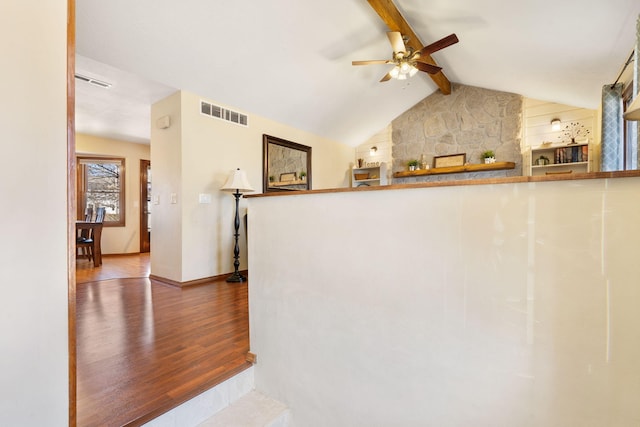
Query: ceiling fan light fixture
pixel 395 72
pixel 413 71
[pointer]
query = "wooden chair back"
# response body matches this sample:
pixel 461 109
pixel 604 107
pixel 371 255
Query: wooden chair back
pixel 100 212
pixel 89 235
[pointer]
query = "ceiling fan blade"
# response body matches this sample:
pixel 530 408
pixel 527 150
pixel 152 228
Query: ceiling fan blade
pixel 386 77
pixel 440 44
pixel 391 16
pixel 428 68
pixel 376 61
pixel 396 41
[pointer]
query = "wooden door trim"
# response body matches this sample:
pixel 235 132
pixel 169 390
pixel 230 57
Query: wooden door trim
pixel 71 206
pixel 144 164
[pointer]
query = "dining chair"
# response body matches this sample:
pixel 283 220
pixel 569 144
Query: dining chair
pixel 88 214
pixel 83 234
pixel 89 236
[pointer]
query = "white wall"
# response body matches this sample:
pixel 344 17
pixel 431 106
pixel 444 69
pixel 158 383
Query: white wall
pixel 382 141
pixel 195 156
pixel 33 248
pixel 120 240
pixel 492 305
pixel 537 123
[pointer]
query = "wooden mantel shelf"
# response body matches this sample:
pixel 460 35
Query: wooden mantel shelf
pixel 479 167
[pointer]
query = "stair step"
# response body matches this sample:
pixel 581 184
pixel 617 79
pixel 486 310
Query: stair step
pixel 252 410
pixel 207 404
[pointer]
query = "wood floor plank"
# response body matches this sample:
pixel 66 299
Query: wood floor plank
pixel 144 347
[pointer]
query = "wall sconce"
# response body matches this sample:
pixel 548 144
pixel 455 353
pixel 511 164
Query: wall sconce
pixel 555 125
pixel 373 150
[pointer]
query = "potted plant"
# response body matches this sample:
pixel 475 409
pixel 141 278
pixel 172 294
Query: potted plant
pixel 303 175
pixel 272 178
pixel 413 164
pixel 488 156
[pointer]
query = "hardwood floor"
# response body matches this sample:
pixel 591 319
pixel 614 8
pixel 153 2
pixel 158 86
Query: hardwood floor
pixel 144 347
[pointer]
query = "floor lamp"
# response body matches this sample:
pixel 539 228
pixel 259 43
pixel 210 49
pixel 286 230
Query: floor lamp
pixel 237 184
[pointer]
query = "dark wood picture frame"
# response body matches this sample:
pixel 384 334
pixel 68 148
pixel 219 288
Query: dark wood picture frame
pixel 450 160
pixel 271 144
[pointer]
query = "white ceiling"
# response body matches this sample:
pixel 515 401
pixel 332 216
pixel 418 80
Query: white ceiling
pixel 290 60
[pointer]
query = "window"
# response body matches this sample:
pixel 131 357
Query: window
pixel 101 184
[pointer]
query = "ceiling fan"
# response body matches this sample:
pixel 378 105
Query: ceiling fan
pixel 407 61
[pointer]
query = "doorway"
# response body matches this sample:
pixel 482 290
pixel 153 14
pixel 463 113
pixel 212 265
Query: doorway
pixel 145 208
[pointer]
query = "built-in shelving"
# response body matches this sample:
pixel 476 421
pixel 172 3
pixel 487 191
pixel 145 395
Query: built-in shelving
pixel 558 159
pixel 369 176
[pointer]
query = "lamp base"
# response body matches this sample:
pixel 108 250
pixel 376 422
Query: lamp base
pixel 236 277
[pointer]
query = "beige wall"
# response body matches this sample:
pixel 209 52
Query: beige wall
pixel 489 305
pixel 194 156
pixel 166 218
pixel 33 249
pixel 120 240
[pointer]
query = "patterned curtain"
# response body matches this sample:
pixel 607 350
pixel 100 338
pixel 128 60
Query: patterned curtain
pixel 612 131
pixel 636 88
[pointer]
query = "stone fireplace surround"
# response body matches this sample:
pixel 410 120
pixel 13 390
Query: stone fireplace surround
pixel 470 120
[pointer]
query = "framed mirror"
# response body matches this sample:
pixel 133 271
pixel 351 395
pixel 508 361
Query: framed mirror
pixel 286 165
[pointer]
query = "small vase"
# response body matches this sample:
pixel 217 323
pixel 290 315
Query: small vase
pixel 489 160
pixel 412 168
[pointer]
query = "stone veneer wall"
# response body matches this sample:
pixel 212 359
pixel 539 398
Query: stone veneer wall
pixel 470 120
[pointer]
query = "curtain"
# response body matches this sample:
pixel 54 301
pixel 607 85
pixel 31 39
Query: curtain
pixel 612 131
pixel 636 88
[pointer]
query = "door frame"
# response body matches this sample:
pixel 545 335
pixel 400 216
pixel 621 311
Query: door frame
pixel 145 237
pixel 71 207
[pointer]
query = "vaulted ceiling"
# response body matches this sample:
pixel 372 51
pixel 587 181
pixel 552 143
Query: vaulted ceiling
pixel 290 60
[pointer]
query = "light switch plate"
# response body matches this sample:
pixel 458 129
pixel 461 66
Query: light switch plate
pixel 204 198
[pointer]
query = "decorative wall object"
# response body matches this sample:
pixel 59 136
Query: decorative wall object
pixel 282 160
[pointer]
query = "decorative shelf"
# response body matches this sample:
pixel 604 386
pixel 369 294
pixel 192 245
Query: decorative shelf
pixel 554 165
pixel 288 183
pixel 479 167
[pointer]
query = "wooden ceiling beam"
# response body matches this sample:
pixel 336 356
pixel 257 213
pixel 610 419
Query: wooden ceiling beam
pixel 391 16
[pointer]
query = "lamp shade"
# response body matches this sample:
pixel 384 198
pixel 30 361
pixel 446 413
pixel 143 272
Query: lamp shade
pixel 237 181
pixel 633 112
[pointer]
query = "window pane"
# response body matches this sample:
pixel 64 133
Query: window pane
pixel 103 188
pixel 101 184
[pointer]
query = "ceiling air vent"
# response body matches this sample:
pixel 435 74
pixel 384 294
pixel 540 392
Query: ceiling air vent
pixel 93 81
pixel 221 113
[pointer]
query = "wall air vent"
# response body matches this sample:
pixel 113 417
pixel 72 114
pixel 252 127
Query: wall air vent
pixel 93 81
pixel 221 113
